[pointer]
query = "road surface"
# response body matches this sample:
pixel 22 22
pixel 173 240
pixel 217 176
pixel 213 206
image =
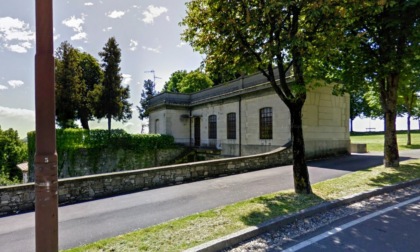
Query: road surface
pixel 91 221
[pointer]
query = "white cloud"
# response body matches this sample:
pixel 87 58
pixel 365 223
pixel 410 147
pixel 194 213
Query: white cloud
pixel 15 83
pixel 3 87
pixel 15 35
pixel 153 12
pixel 107 29
pixel 168 18
pixel 181 44
pixel 26 114
pixel 79 36
pixel 88 4
pixel 133 45
pixel 155 50
pixel 126 79
pixel 116 14
pixel 75 23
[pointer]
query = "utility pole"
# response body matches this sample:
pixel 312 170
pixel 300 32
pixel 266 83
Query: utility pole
pixel 46 184
pixel 154 76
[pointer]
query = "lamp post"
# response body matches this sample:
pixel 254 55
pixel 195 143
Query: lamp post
pixel 46 186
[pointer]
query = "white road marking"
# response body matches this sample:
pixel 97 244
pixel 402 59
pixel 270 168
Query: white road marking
pixel 347 225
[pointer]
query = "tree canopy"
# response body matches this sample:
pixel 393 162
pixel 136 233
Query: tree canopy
pixel 193 82
pixel 12 152
pixel 146 94
pixel 113 97
pixel 278 38
pixel 171 85
pixel 382 35
pixel 69 85
pixel 77 74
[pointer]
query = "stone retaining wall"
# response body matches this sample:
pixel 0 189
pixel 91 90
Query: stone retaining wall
pixel 15 199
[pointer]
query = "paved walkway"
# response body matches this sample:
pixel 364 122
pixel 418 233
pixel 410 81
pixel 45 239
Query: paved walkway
pixel 91 221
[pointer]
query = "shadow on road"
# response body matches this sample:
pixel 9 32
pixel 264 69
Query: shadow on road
pixel 353 162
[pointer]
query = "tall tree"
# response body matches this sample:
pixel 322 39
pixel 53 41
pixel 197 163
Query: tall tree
pixel 113 101
pixel 383 34
pixel 171 85
pixel 92 76
pixel 193 82
pixel 69 85
pixel 278 38
pixel 146 94
pixel 408 94
pixel 12 152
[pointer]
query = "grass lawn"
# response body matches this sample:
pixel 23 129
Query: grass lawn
pixel 375 141
pixel 183 233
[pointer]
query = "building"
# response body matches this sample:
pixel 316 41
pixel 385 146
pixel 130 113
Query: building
pixel 245 117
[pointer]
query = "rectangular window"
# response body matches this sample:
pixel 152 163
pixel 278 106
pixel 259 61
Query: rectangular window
pixel 266 123
pixel 212 127
pixel 231 126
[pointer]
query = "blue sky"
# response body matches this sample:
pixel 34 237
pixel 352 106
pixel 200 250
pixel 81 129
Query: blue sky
pixel 147 32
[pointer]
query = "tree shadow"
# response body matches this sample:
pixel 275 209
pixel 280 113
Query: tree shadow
pixel 279 205
pixel 411 147
pixel 403 173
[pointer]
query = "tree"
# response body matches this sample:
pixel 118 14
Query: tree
pixel 383 34
pixel 359 106
pixel 270 36
pixel 146 94
pixel 408 91
pixel 92 76
pixel 76 75
pixel 113 97
pixel 12 152
pixel 193 82
pixel 69 85
pixel 171 85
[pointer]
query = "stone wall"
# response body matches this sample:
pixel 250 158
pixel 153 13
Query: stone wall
pixel 15 199
pixel 84 162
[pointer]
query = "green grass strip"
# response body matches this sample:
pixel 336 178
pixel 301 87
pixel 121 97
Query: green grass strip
pixel 187 232
pixel 375 141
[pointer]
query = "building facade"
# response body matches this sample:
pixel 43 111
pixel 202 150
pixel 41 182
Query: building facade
pixel 246 117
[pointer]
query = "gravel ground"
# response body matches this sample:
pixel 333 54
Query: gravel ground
pixel 274 240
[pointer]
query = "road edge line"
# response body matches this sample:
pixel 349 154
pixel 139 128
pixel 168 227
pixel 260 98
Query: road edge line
pixel 248 233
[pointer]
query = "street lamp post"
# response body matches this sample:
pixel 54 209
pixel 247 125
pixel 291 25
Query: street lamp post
pixel 46 186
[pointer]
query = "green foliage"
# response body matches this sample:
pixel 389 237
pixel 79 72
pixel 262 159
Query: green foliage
pixel 183 82
pixel 382 36
pixel 119 139
pixel 279 38
pixel 113 100
pixel 92 77
pixel 77 75
pixel 194 82
pixel 69 85
pixel 12 152
pixel 93 142
pixel 146 94
pixel 171 85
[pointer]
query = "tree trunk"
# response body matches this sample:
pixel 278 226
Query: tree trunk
pixel 85 123
pixel 351 125
pixel 109 124
pixel 389 89
pixel 300 169
pixel 408 129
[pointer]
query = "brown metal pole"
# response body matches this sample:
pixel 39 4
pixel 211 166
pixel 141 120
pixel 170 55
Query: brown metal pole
pixel 46 186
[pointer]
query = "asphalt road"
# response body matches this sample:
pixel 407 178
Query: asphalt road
pixel 91 221
pixel 394 228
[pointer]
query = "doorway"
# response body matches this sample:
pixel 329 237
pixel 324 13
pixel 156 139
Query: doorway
pixel 197 138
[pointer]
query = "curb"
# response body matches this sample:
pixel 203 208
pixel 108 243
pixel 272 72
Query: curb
pixel 248 233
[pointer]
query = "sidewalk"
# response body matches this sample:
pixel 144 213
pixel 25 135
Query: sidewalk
pixel 278 231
